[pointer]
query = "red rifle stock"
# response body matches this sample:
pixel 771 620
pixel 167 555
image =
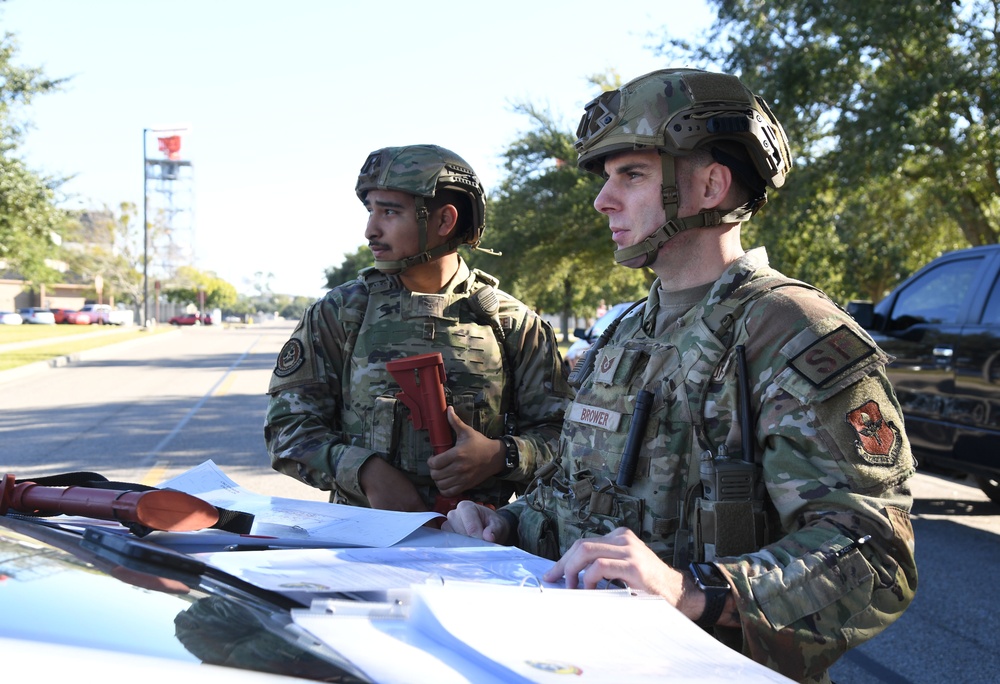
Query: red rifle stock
pixel 157 509
pixel 421 379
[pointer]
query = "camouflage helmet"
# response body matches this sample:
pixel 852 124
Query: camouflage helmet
pixel 676 111
pixel 423 171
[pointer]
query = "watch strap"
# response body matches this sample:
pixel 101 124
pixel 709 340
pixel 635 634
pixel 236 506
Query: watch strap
pixel 512 456
pixel 715 603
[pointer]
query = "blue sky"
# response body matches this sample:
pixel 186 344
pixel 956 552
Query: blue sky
pixel 286 99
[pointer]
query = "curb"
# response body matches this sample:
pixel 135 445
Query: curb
pixel 60 361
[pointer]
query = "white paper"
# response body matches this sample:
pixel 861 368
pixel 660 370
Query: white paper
pixel 455 632
pixel 289 519
pixel 382 569
pixel 387 649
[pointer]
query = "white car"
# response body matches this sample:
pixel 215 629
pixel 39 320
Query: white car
pixel 10 318
pixel 34 314
pixel 104 314
pixel 585 338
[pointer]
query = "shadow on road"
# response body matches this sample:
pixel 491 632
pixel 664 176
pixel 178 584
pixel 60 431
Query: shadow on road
pixel 957 507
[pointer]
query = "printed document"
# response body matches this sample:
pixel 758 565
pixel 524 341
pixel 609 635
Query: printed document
pixel 473 632
pixel 290 519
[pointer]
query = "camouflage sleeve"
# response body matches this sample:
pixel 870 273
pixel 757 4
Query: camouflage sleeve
pixel 302 428
pixel 835 462
pixel 542 392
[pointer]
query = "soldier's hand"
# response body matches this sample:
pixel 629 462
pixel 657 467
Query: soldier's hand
pixel 619 555
pixel 474 458
pixel 477 521
pixel 388 488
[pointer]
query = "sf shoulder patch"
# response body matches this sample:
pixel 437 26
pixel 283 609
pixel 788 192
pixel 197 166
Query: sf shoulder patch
pixel 831 356
pixel 290 358
pixel 878 440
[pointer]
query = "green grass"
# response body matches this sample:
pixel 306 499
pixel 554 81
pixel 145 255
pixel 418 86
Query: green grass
pixel 66 340
pixel 26 332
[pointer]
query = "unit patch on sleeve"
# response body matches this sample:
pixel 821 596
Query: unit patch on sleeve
pixel 877 439
pixel 290 358
pixel 832 355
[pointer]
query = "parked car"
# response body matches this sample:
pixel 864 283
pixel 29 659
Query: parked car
pixel 38 316
pixel 191 319
pixel 116 609
pixel 104 314
pixel 942 325
pixel 585 337
pixel 10 318
pixel 71 316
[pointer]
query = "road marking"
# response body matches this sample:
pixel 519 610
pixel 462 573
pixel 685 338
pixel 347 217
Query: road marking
pixel 154 475
pixel 201 402
pixel 226 385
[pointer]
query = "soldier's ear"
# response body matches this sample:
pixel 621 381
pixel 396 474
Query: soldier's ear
pixel 717 182
pixel 447 219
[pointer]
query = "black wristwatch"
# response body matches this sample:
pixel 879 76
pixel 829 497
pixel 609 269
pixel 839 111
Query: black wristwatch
pixel 512 457
pixel 716 588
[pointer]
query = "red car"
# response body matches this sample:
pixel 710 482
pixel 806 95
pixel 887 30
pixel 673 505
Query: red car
pixel 191 319
pixel 71 316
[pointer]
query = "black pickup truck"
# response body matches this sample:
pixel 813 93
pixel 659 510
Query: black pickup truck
pixel 942 325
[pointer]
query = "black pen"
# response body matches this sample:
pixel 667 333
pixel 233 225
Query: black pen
pixel 853 545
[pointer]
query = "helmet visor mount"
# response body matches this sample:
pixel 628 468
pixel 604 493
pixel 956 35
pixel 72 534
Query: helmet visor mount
pixel 599 116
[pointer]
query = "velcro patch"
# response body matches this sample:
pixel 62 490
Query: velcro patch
pixel 832 355
pixel 607 364
pixel 290 358
pixel 877 438
pixel 597 417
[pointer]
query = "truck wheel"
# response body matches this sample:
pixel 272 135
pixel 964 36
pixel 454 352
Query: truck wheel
pixel 991 486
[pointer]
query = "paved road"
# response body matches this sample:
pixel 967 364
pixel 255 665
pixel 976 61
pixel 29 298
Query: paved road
pixel 145 411
pixel 949 633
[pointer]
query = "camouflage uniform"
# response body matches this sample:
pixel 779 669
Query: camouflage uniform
pixel 333 404
pixel 827 434
pixel 812 526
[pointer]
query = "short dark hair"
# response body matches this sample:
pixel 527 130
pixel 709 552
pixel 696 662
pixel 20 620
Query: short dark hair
pixel 747 184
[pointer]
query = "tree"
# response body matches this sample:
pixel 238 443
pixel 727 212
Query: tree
pixel 189 284
pixel 557 248
pixel 28 215
pixel 891 110
pixel 293 307
pixel 102 243
pixel 349 267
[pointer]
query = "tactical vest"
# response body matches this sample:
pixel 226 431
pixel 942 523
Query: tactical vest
pixel 396 323
pixel 694 415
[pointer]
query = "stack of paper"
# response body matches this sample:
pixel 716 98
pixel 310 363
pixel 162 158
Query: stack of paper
pixel 472 632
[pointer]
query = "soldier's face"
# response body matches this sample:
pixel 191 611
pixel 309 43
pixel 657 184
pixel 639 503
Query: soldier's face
pixel 631 196
pixel 392 231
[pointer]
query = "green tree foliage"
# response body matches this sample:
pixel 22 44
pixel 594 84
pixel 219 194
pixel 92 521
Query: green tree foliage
pixel 557 250
pixel 110 245
pixel 291 307
pixel 189 283
pixel 28 216
pixel 892 113
pixel 349 267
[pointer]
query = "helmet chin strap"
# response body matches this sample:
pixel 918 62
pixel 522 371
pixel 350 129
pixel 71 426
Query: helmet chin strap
pixel 423 255
pixel 650 247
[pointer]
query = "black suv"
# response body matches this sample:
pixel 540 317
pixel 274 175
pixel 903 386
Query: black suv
pixel 942 325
